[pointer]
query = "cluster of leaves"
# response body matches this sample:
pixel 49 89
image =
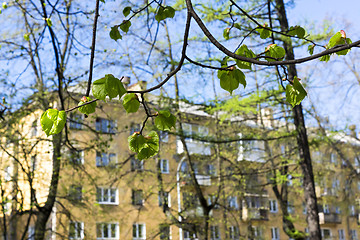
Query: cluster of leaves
pixel 338 39
pixel 109 87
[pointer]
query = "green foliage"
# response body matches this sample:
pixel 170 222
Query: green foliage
pixel 108 86
pixel 164 12
pixel 297 30
pixel 226 33
pixel 125 25
pixel 145 147
pixel 264 33
pixel 48 22
pixel 53 121
pixel 274 51
pixel 114 33
pixel 126 11
pixel 311 49
pixel 27 37
pixel 131 102
pixel 245 52
pixel 165 120
pixel 295 92
pixel 88 108
pixel 230 80
pixel 325 58
pixel 338 39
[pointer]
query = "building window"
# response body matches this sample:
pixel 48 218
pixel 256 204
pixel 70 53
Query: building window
pixel 290 207
pixel 8 173
pixel 34 129
pixel 105 159
pixel 164 136
pixel 76 230
pixel 341 233
pixel 275 233
pixel 256 232
pixel 326 233
pixel 76 157
pixel 212 200
pixel 232 202
pixel 353 234
pixel 190 235
pixel 333 158
pixel 107 195
pixel 134 128
pixel 137 197
pixel 139 231
pixel 210 169
pixel 136 164
pixel 164 197
pixel 76 121
pixel 326 209
pixel 107 231
pixel 165 232
pixel 214 233
pixel 164 165
pixel 194 130
pixel 105 125
pixel 31 233
pixel 33 163
pixel 234 233
pixel 273 206
pixel 75 193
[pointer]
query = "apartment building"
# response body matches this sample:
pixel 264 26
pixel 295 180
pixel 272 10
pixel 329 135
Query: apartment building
pixel 106 193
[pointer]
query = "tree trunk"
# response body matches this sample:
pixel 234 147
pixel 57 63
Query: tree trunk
pixel 302 140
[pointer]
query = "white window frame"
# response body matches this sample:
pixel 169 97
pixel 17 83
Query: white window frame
pixel 275 233
pixel 233 202
pixel 194 129
pixel 215 232
pixel 136 228
pixel 273 206
pixel 353 234
pixel 8 173
pixel 168 198
pixel 107 199
pixel 323 233
pixel 326 209
pixel 234 233
pixel 164 162
pixel 109 225
pixel 137 202
pixel 341 234
pixel 80 154
pixel 76 230
pixel 110 159
pixel 190 236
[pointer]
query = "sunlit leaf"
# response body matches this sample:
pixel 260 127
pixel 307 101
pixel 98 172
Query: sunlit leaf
pixel 245 52
pixel 53 121
pixel 274 51
pixel 131 102
pixel 295 92
pixel 164 12
pixel 164 121
pixel 88 108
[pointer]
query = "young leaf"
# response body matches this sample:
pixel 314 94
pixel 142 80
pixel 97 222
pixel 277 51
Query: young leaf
pixel 125 25
pixel 325 58
pixel 239 76
pixel 165 120
pixel 145 147
pixel 53 121
pixel 335 40
pixel 48 22
pixel 344 52
pixel 264 33
pixel 88 108
pixel 274 51
pixel 229 80
pixel 126 11
pixel 311 49
pixel 108 86
pixel 226 33
pixel 27 37
pixel 131 102
pixel 114 33
pixel 164 12
pixel 295 93
pixel 245 52
pixel 297 30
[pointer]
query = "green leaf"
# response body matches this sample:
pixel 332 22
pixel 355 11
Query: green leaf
pixel 164 12
pixel 229 80
pixel 164 121
pixel 325 58
pixel 297 30
pixel 4 5
pixel 88 108
pixel 311 49
pixel 264 33
pixel 126 11
pixel 125 25
pixel 245 52
pixel 48 22
pixel 226 33
pixel 295 92
pixel 131 102
pixel 335 40
pixel 145 147
pixel 53 121
pixel 108 86
pixel 102 1
pixel 27 36
pixel 274 51
pixel 344 52
pixel 114 33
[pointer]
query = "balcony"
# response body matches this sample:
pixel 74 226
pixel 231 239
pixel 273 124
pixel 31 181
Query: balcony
pixel 255 214
pixel 329 218
pixel 194 147
pixel 203 180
